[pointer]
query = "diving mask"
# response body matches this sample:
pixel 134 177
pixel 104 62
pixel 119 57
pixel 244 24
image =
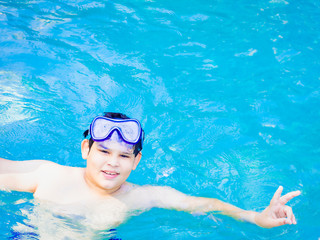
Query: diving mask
pixel 102 128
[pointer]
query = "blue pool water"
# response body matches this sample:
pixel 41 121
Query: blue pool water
pixel 227 91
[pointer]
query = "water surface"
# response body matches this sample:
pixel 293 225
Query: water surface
pixel 228 94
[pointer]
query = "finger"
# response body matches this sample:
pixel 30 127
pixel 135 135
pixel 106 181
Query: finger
pixel 279 222
pixel 289 214
pixel 286 198
pixel 294 220
pixel 281 213
pixel 277 195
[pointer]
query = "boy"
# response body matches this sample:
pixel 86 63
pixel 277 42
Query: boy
pixel 112 152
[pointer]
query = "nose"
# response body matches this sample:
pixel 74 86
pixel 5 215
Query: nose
pixel 113 161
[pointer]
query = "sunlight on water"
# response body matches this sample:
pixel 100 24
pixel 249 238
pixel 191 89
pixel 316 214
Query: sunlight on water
pixel 228 95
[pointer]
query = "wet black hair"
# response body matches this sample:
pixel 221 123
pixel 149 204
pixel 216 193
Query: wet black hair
pixel 114 115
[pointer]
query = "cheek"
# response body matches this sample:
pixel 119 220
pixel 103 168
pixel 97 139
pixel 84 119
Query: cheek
pixel 96 160
pixel 128 165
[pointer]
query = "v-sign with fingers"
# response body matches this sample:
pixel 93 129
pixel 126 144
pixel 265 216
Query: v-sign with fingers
pixel 277 213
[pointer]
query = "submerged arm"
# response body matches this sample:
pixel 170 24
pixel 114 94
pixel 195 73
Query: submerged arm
pixel 169 198
pixel 212 205
pixel 276 214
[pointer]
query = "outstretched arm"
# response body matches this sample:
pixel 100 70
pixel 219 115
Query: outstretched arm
pixel 276 214
pixel 19 175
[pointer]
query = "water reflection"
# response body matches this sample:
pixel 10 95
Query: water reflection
pixel 50 221
pixel 229 96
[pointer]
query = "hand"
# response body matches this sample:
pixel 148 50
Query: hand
pixel 277 213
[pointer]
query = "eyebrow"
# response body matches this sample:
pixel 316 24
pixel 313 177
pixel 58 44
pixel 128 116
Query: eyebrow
pixel 100 145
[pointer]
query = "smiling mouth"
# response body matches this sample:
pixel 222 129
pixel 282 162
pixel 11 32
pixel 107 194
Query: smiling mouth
pixel 110 173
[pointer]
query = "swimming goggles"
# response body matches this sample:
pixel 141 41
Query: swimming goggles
pixel 129 129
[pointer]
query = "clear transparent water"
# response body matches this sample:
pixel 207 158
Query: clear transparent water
pixel 228 93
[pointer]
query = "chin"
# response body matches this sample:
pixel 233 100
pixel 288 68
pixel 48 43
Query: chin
pixel 110 187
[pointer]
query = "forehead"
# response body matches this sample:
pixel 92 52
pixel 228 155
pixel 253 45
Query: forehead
pixel 115 142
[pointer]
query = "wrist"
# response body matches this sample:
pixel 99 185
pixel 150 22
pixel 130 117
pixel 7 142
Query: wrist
pixel 249 216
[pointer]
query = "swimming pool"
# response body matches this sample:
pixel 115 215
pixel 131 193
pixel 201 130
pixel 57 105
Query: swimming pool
pixel 228 94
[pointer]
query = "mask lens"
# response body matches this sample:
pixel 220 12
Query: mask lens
pixel 100 128
pixel 130 131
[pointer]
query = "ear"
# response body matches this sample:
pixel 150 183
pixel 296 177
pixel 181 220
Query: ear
pixel 136 161
pixel 85 148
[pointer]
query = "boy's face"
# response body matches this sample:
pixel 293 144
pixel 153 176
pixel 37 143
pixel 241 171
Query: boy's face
pixel 109 163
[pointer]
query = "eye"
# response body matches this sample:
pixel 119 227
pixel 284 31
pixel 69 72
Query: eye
pixel 105 151
pixel 124 156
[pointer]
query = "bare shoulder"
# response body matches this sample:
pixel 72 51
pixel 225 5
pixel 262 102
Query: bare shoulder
pixel 54 169
pixel 148 196
pixel 25 175
pixel 18 167
pixel 51 165
pixel 58 183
